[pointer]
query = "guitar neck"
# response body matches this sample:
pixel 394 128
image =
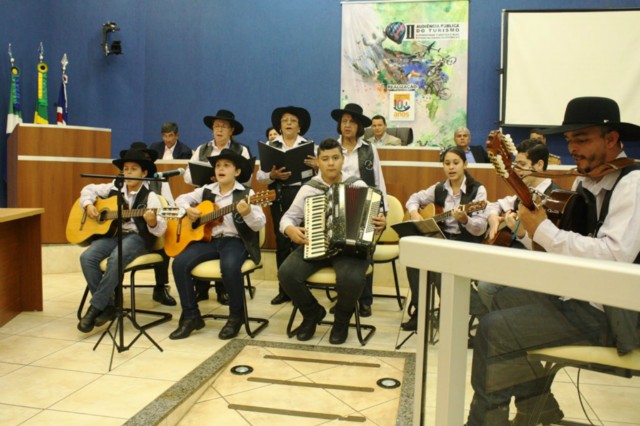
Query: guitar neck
pixel 442 216
pixel 127 214
pixel 217 214
pixel 521 189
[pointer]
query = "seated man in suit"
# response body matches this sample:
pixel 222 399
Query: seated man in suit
pixel 475 153
pixel 171 148
pixel 380 136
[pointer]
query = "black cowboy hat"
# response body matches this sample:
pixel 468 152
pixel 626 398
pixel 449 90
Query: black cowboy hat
pixel 136 156
pixel 245 165
pixel 356 112
pixel 590 111
pixel 224 114
pixel 141 146
pixel 302 114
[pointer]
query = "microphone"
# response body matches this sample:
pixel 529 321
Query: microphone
pixel 169 173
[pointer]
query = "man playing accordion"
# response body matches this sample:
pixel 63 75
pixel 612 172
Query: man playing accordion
pixel 350 270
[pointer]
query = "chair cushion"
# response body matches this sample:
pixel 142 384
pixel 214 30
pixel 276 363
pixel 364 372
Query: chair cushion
pixel 386 252
pixel 211 269
pixel 589 354
pixel 146 259
pixel 328 276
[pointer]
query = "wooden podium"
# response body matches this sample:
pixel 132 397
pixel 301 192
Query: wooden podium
pixel 44 163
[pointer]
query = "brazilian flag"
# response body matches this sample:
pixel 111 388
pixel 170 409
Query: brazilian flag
pixel 42 105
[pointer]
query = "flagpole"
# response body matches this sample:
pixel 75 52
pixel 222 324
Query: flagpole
pixel 61 108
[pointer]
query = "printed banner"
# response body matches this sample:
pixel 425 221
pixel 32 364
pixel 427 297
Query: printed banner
pixel 408 62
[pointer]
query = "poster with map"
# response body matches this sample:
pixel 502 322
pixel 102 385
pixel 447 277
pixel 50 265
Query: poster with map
pixel 408 61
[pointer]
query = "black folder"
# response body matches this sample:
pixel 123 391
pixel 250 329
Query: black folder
pixel 201 173
pixel 292 159
pixel 426 227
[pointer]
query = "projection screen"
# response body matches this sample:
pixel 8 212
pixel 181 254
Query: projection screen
pixel 552 56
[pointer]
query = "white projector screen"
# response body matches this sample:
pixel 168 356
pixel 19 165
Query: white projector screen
pixel 550 57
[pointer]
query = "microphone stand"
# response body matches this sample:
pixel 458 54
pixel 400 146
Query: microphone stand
pixel 117 337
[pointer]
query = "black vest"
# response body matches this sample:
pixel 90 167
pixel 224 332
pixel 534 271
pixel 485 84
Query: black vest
pixel 623 323
pixel 365 164
pixel 466 198
pixel 140 202
pixel 249 237
pixel 206 150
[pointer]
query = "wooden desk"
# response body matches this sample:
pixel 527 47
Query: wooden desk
pixel 54 182
pixel 20 262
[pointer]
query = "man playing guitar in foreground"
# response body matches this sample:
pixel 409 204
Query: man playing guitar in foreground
pixel 500 368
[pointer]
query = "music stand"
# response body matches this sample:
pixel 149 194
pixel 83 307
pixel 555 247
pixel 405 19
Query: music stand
pixel 425 228
pixel 119 297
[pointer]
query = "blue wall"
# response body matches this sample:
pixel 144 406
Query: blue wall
pixel 184 59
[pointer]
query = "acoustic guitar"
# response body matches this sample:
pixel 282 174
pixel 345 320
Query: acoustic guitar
pixel 433 211
pixel 81 229
pixel 183 232
pixel 566 209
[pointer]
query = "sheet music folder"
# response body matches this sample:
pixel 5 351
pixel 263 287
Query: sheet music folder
pixel 201 174
pixel 425 228
pixel 292 159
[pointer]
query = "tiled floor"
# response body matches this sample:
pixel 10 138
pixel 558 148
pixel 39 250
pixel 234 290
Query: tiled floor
pixel 49 373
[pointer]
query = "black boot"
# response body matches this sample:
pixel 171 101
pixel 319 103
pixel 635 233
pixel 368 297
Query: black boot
pixel 231 328
pixel 280 298
pixel 307 329
pixel 162 296
pixel 537 409
pixel 186 327
pixel 88 321
pixel 105 316
pixel 202 290
pixel 411 324
pixel 340 329
pixel 339 333
pixel 221 294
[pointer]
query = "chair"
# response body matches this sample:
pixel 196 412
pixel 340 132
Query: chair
pixel 388 248
pixel 210 271
pixel 405 134
pixel 325 279
pixel 595 358
pixel 140 263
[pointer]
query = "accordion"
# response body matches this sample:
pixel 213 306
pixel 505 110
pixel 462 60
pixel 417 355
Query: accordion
pixel 340 221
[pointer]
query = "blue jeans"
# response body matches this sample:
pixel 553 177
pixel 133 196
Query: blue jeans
pixel 101 285
pixel 523 320
pixel 232 254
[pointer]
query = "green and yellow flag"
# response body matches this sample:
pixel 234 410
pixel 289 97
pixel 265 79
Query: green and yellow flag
pixel 42 115
pixel 14 117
